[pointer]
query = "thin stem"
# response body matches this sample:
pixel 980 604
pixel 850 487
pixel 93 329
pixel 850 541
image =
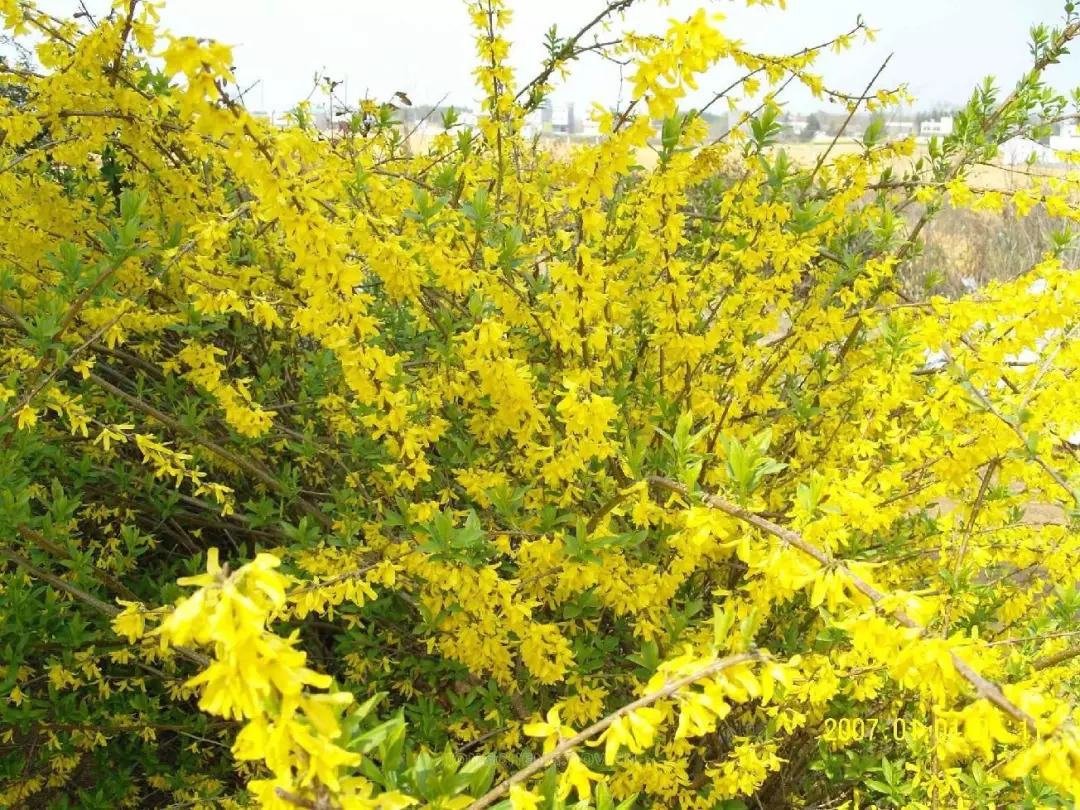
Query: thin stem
pixel 567 745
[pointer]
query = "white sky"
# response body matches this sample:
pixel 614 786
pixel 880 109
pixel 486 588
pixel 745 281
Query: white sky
pixel 942 48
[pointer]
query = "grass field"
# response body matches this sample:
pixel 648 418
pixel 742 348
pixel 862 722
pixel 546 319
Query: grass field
pixel 1002 178
pixel 997 177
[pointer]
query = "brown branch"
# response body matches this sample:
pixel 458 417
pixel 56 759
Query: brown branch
pixel 985 688
pixel 975 509
pixel 42 148
pixel 123 41
pixel 334 580
pixel 103 608
pixel 565 746
pixel 568 49
pixel 851 114
pixel 1050 55
pixel 101 575
pixel 1057 658
pixel 766 61
pixel 605 510
pixel 298 800
pixel 239 461
pixel 73 311
pixel 37 388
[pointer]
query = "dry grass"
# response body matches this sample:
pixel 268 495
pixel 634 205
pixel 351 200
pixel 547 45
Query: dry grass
pixel 964 249
pixel 1000 178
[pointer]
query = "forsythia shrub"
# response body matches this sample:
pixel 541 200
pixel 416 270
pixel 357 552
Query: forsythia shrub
pixel 338 473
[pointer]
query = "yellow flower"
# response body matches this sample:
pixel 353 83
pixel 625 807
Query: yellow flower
pixel 213 569
pixel 522 798
pixel 130 622
pixel 634 730
pixel 84 367
pixel 553 731
pixel 578 778
pixel 26 417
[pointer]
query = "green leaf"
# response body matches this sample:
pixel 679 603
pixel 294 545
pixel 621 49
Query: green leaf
pixel 481 773
pixel 723 621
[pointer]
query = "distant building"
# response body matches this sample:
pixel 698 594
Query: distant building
pixel 1018 151
pixel 533 124
pixel 327 122
pixel 426 128
pixel 794 126
pixel 1065 143
pixel 557 118
pixel 590 128
pixel 899 128
pixel 1066 138
pixel 321 118
pixel 943 126
pixel 264 116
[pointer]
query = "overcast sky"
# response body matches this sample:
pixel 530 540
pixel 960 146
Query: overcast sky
pixel 425 47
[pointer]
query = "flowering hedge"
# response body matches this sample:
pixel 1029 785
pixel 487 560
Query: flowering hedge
pixel 340 473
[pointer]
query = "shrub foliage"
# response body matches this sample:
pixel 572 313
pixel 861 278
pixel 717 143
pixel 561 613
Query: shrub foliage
pixel 336 472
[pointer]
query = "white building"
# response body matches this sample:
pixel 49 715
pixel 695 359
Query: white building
pixel 533 124
pixel 797 126
pixel 590 128
pixel 1018 151
pixel 1067 141
pixel 562 117
pixel 943 126
pixel 899 129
